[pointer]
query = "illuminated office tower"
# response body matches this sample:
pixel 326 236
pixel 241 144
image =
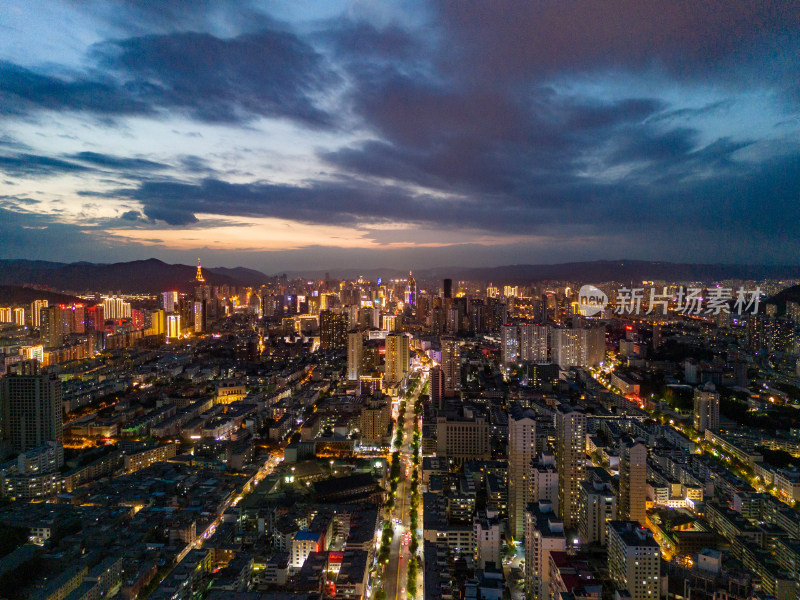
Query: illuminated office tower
pixel 199 314
pixel 634 559
pixel 52 327
pixel 706 408
pixel 451 366
pixel 411 290
pixel 31 406
pixel 632 480
pixel 169 301
pixel 36 312
pixel 570 460
pixel 5 315
pixel 397 358
pixel 173 326
pixel 521 451
pixel 19 316
pixel 158 323
pixel 355 350
pixel 332 330
pixel 509 345
pixel 533 343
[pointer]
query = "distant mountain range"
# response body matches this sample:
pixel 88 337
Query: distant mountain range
pixel 146 276
pixel 152 275
pixel 791 294
pixel 11 295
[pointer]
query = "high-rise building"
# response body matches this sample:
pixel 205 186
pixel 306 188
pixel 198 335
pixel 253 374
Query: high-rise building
pixel 437 388
pixel 169 301
pixel 355 349
pixel 793 311
pixel 31 406
pixel 632 480
pixel 544 533
pixel 5 315
pixel 487 534
pixel 566 347
pixel 706 408
pixel 36 311
pixel 158 323
pixel 332 330
pixel 77 317
pixel 199 317
pixel 173 326
pixel 376 415
pixel 533 343
pixel 95 318
pixel 544 480
pixel 397 358
pixel 521 450
pixel 451 366
pixel 578 347
pixel 411 290
pixel 509 345
pixel 656 336
pixel 570 460
pixel 52 327
pixel 597 506
pixel 447 288
pixel 542 377
pixel 634 559
pixel 116 308
pixel 463 437
pixel 19 316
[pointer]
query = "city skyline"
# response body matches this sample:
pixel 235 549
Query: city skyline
pixel 410 134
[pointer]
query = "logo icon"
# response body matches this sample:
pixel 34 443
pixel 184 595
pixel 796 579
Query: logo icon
pixel 591 300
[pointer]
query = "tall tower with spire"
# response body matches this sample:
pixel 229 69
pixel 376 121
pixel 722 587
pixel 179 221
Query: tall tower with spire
pixel 411 290
pixel 199 277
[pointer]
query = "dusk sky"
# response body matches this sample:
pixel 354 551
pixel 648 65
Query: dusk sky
pixel 296 135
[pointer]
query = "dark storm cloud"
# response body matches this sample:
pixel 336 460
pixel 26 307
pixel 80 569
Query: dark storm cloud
pixel 484 141
pixel 118 162
pixel 511 40
pixel 23 90
pixel 131 215
pixel 167 16
pixel 34 165
pixel 270 73
pixel 679 198
pixel 27 165
pixel 485 117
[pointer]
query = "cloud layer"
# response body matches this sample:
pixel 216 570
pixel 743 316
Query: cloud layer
pixel 512 125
